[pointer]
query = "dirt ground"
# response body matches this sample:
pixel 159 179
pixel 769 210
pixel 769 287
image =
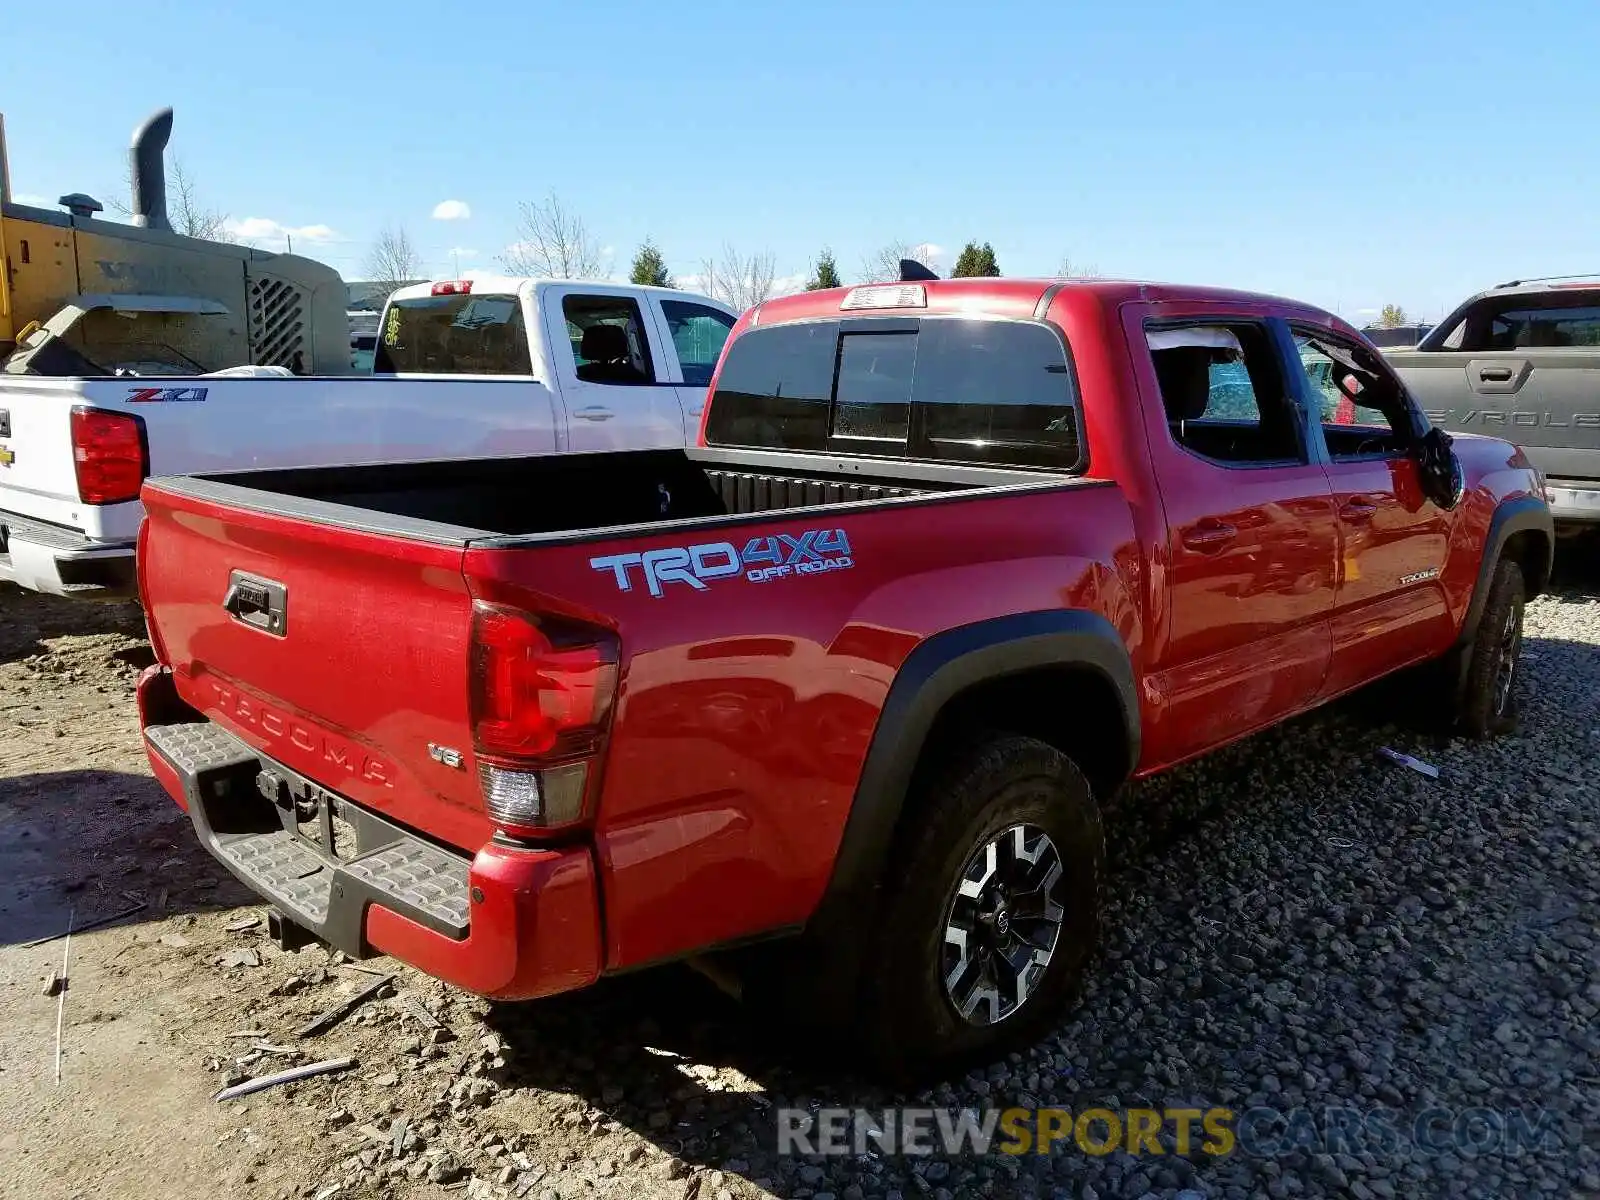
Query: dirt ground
pixel 656 1085
pixel 153 1001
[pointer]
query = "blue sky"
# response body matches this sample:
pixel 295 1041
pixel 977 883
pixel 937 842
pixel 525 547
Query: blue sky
pixel 1348 154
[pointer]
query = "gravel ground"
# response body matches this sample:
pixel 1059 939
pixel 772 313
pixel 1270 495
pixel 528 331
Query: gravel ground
pixel 1296 925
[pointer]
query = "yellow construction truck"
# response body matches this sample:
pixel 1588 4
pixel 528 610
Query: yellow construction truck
pixel 84 296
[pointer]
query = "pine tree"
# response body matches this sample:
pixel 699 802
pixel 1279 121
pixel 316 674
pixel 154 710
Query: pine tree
pixel 649 268
pixel 975 260
pixel 826 275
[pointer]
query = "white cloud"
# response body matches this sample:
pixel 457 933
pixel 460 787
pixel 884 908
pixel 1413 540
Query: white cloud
pixel 607 251
pixel 265 229
pixel 451 210
pixel 788 285
pixel 35 200
pixel 463 252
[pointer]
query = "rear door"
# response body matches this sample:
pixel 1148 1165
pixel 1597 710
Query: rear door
pixel 1252 544
pixel 697 332
pixel 614 367
pixel 366 667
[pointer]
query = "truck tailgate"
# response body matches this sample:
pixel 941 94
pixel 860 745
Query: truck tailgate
pixel 37 479
pixel 343 655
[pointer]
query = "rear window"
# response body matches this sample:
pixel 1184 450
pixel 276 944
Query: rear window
pixel 974 391
pixel 454 335
pixel 1521 328
pixel 1558 318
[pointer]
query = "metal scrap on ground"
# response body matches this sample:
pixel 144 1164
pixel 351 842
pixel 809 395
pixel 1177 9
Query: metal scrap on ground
pixel 326 1067
pixel 1405 760
pixel 344 1008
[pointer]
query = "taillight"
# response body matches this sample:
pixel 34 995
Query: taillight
pixel 541 704
pixel 109 453
pixel 453 287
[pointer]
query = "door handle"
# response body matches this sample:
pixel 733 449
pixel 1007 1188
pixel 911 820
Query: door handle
pixel 1209 536
pixel 1495 374
pixel 594 413
pixel 1358 508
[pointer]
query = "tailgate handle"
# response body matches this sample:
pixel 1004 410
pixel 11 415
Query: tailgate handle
pixel 260 603
pixel 1495 374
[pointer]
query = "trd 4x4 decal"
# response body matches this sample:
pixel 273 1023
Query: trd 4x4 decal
pixel 762 560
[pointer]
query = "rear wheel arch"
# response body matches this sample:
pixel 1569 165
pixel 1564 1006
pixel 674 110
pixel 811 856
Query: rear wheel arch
pixel 994 675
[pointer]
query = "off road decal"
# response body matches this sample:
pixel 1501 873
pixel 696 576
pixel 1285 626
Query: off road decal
pixel 763 559
pixel 171 395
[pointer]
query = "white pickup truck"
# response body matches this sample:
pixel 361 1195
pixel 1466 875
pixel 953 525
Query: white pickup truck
pixel 462 369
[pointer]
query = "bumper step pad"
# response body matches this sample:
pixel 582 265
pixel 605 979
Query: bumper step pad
pixel 245 831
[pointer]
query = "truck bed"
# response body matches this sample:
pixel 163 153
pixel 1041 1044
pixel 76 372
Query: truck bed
pixel 505 501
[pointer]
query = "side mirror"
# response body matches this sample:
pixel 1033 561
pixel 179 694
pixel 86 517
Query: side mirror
pixel 1443 480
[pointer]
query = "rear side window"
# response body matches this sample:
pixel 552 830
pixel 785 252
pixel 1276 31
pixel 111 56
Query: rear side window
pixel 454 335
pixel 1532 328
pixel 972 391
pixel 1550 320
pixel 698 335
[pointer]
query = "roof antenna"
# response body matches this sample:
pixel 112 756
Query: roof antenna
pixel 911 271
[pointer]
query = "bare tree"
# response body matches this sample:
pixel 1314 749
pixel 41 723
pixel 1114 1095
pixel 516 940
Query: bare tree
pixel 393 260
pixel 1071 270
pixel 884 266
pixel 738 281
pixel 552 241
pixel 188 213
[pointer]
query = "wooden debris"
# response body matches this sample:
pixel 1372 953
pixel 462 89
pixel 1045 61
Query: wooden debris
pixel 243 926
pixel 417 1009
pixel 292 1075
pixel 61 992
pixel 344 1008
pixel 55 984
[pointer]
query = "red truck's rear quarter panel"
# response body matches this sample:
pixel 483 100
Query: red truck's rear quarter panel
pixel 746 710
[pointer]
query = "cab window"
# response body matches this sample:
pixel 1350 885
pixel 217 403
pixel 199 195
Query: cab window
pixel 952 389
pixel 1224 394
pixel 453 335
pixel 608 340
pixel 698 335
pixel 1363 410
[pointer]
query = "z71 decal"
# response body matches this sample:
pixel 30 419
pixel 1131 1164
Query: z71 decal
pixel 171 395
pixel 762 560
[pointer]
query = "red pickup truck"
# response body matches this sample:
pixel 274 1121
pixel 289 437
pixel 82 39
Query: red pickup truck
pixel 953 561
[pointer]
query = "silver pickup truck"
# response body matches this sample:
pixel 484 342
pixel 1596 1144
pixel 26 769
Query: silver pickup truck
pixel 1522 361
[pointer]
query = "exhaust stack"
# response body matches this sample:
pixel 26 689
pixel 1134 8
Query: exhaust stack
pixel 149 172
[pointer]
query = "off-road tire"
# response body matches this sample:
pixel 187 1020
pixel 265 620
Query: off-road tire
pixel 909 1023
pixel 1487 703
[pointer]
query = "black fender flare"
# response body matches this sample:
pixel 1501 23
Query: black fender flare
pixel 1520 514
pixel 933 674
